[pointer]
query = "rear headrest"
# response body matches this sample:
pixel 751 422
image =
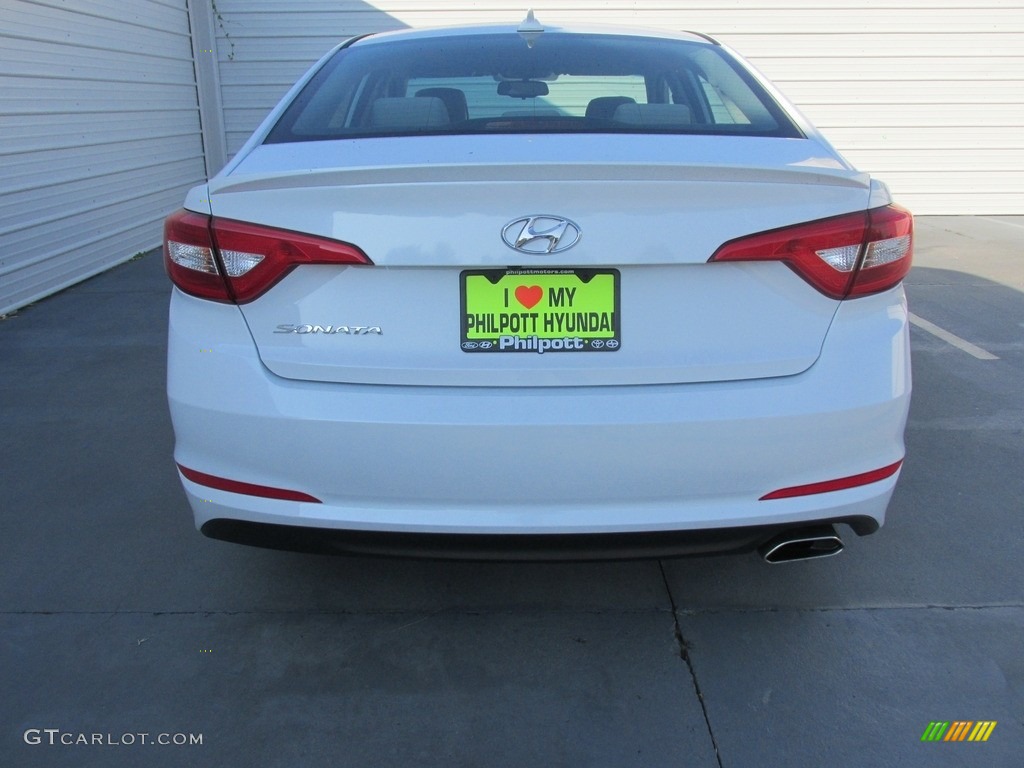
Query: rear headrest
pixel 604 106
pixel 654 115
pixel 418 113
pixel 453 98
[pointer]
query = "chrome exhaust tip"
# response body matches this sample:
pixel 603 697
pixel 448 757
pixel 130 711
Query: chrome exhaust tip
pixel 802 544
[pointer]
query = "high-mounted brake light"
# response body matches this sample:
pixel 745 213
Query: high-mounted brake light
pixel 227 260
pixel 855 254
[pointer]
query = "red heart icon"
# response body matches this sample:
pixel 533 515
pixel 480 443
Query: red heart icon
pixel 528 296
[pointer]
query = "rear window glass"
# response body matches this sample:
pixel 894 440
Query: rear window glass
pixel 562 84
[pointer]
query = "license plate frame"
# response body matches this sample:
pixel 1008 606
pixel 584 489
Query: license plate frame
pixel 540 310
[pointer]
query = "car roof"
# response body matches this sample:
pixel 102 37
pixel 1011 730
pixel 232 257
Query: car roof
pixel 507 29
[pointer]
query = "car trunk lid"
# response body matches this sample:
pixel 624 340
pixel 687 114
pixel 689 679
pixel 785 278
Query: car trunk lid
pixel 649 216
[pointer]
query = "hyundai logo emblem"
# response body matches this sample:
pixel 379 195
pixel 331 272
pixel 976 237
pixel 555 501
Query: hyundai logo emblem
pixel 541 234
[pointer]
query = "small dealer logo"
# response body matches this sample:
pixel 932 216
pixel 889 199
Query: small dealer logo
pixel 538 344
pixel 958 730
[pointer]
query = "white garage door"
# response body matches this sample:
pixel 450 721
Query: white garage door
pixel 99 136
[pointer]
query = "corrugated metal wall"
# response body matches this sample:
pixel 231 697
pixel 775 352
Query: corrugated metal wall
pixel 264 46
pixel 99 136
pixel 926 94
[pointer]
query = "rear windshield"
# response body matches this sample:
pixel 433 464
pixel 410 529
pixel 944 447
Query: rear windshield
pixel 563 83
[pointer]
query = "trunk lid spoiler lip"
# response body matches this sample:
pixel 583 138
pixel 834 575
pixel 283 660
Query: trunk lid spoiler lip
pixel 536 158
pixel 453 172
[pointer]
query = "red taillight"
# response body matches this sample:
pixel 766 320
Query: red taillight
pixel 189 257
pixel 256 257
pixel 888 250
pixel 229 260
pixel 843 256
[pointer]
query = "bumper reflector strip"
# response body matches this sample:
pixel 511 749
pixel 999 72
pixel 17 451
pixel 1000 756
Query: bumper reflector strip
pixel 249 489
pixel 839 484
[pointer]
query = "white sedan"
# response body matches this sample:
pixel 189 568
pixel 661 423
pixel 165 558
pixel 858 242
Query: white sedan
pixel 538 292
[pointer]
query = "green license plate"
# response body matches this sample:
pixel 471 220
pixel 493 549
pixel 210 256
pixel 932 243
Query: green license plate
pixel 540 310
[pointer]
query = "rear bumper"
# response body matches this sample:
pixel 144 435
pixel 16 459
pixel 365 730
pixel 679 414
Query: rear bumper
pixel 468 546
pixel 543 461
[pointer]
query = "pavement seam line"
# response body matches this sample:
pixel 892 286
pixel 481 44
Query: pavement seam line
pixel 684 654
pixel 470 611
